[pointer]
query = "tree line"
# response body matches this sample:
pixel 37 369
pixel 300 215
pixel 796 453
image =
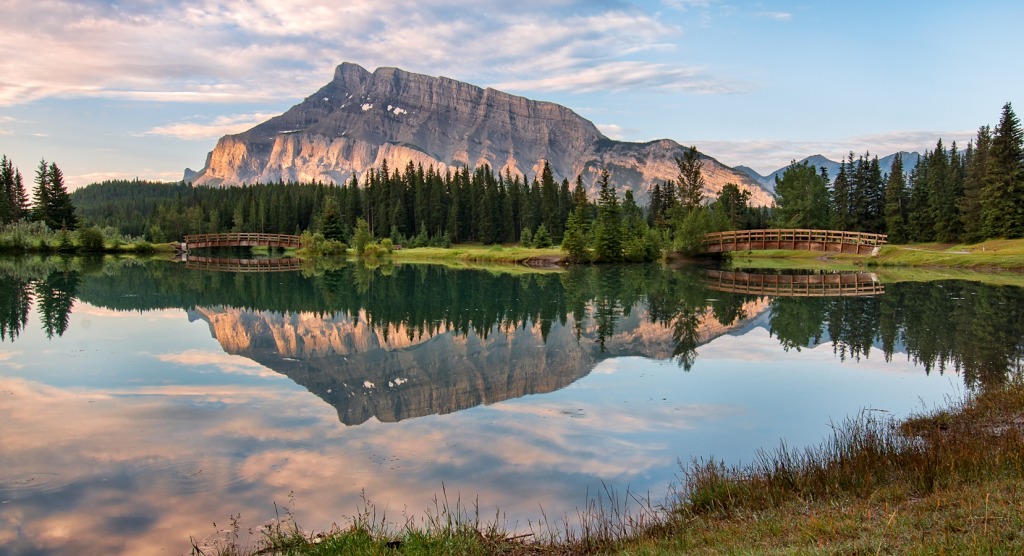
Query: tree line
pixel 950 195
pixel 52 202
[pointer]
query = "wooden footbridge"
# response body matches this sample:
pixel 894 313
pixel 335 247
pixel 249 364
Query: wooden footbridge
pixel 825 241
pixel 843 284
pixel 203 241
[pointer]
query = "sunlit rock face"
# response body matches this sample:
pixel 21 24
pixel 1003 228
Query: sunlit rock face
pixel 360 120
pixel 393 372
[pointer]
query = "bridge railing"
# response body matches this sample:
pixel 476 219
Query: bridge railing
pixel 776 238
pixel 242 238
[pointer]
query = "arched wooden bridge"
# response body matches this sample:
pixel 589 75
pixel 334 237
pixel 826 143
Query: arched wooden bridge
pixel 843 284
pixel 202 241
pixel 826 241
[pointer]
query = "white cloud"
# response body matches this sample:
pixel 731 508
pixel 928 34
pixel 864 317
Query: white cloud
pixel 197 130
pixel 777 16
pixel 258 50
pixel 768 155
pixel 613 131
pixel 74 181
pixel 687 4
pixel 628 74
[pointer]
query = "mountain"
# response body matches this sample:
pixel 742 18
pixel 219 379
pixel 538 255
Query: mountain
pixel 819 161
pixel 361 119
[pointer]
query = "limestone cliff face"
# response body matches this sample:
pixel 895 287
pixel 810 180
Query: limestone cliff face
pixel 361 119
pixel 389 374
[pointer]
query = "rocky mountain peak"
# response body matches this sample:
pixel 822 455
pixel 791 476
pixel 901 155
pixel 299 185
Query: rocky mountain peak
pixel 361 119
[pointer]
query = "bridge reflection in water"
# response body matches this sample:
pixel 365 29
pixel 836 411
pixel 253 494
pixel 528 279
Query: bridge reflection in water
pixel 845 284
pixel 283 264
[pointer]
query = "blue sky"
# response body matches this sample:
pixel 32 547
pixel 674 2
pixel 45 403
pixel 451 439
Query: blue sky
pixel 145 88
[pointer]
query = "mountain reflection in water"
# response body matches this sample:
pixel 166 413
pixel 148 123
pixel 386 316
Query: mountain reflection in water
pixel 395 342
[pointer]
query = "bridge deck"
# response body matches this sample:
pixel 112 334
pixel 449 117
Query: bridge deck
pixel 826 241
pixel 202 241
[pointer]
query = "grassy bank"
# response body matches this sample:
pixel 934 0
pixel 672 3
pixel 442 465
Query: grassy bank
pixel 992 255
pixel 34 237
pixel 1001 254
pixel 487 254
pixel 945 482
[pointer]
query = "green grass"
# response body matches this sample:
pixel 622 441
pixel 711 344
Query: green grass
pixel 993 256
pixel 1002 254
pixel 550 256
pixel 946 482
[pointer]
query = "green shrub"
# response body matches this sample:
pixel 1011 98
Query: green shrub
pixel 90 239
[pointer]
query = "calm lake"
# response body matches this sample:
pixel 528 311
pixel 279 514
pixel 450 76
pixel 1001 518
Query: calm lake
pixel 142 402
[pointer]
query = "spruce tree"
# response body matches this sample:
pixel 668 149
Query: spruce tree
pixel 801 198
pixel 1003 194
pixel 690 181
pixel 331 225
pixel 608 228
pixel 41 192
pixel 6 191
pixel 921 223
pixel 574 242
pixel 61 212
pixel 896 202
pixel 975 168
pixel 841 196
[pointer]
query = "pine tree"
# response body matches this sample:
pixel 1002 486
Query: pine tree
pixel 6 191
pixel 690 181
pixel 896 202
pixel 331 225
pixel 921 222
pixel 574 242
pixel 608 228
pixel 61 212
pixel 41 192
pixel 975 168
pixel 1003 194
pixel 841 196
pixel 801 198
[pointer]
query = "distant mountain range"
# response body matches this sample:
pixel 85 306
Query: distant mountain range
pixel 819 161
pixel 361 119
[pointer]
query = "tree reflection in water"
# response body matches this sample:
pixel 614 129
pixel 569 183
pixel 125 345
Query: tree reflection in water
pixel 971 328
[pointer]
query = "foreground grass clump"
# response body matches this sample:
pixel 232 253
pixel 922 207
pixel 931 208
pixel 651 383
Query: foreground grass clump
pixel 945 483
pixel 949 482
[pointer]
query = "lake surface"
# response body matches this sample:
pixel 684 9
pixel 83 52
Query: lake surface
pixel 140 403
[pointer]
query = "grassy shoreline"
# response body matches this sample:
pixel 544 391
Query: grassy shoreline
pixel 944 482
pixel 990 256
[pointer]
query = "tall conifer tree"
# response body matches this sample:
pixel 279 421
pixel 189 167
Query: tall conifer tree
pixel 1003 195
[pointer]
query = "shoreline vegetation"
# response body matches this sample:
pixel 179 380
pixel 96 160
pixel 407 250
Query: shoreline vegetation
pixel 944 481
pixel 998 257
